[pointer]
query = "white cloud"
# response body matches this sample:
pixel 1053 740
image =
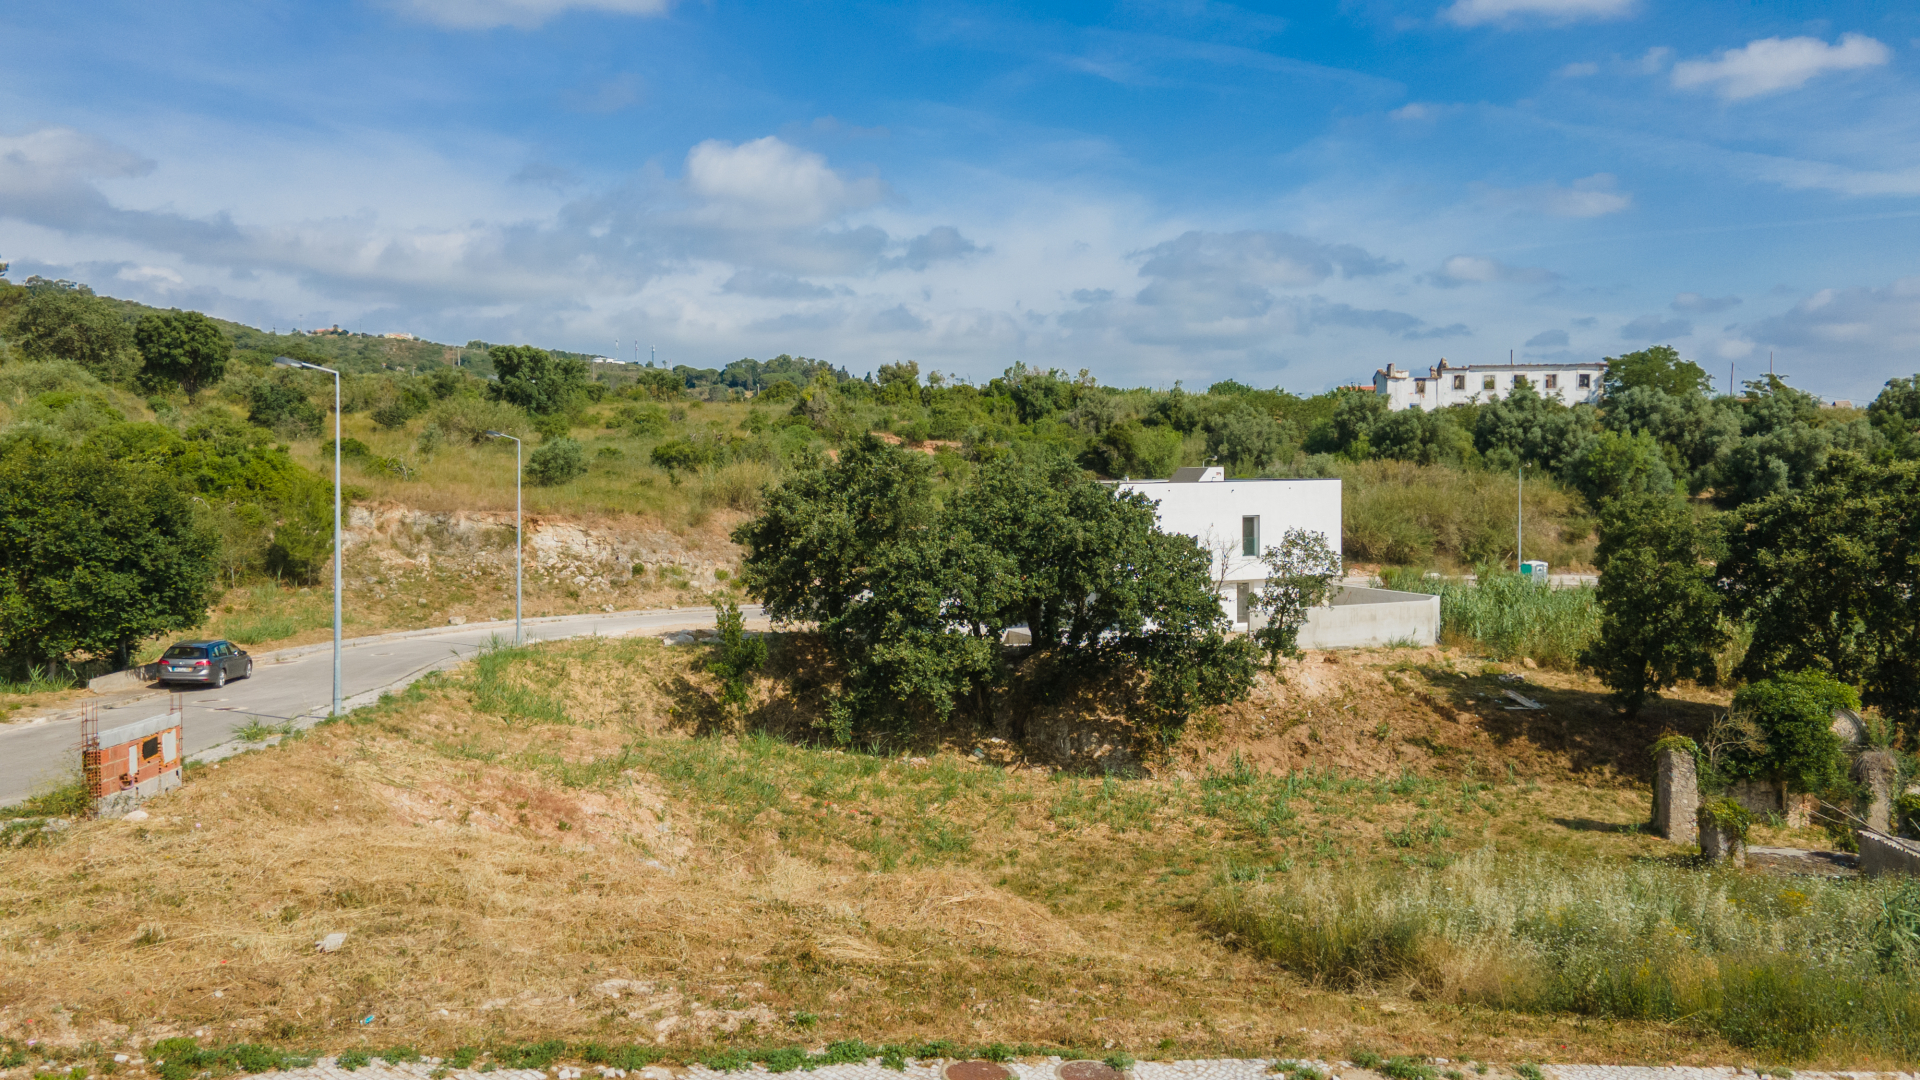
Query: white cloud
pixel 1475 270
pixel 520 14
pixel 1592 196
pixel 770 183
pixel 1547 339
pixel 1770 65
pixel 1579 70
pixel 1413 111
pixel 1697 304
pixel 1476 12
pixel 1654 328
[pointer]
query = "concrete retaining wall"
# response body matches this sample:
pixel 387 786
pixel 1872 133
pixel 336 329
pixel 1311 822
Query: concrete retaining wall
pixel 1368 618
pixel 1882 854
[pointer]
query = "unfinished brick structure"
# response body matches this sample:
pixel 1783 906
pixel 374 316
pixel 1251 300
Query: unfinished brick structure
pixel 126 765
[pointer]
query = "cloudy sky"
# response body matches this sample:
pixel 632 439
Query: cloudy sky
pixel 1287 194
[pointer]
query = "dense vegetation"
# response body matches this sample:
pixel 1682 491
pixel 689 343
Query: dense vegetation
pixel 199 403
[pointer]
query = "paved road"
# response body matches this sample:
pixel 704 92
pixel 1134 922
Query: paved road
pixel 299 688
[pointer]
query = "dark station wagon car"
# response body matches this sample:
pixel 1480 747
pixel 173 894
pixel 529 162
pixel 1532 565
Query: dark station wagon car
pixel 210 663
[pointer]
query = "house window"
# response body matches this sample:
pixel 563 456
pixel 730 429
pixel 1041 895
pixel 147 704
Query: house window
pixel 1459 382
pixel 1586 382
pixel 1486 382
pixel 1553 382
pixel 1242 601
pixel 1250 536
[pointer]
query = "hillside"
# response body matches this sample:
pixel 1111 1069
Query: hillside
pixel 543 845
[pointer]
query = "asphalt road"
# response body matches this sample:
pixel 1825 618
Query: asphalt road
pixel 298 688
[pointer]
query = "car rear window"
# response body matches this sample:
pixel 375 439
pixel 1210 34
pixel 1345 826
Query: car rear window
pixel 187 652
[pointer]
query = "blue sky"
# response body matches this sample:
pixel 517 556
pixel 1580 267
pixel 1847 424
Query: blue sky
pixel 1281 194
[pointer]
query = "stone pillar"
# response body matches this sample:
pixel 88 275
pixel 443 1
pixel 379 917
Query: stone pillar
pixel 1722 843
pixel 1676 796
pixel 1723 832
pixel 1876 770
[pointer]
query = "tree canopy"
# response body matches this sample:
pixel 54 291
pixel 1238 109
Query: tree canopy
pixel 536 380
pixel 95 555
pixel 181 348
pixel 914 598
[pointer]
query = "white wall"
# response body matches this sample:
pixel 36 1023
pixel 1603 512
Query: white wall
pixel 1210 512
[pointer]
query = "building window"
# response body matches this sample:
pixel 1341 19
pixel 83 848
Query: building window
pixel 1486 382
pixel 1242 601
pixel 1250 536
pixel 1459 382
pixel 1553 382
pixel 1586 382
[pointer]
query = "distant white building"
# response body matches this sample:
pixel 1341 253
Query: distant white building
pixel 1467 384
pixel 1236 520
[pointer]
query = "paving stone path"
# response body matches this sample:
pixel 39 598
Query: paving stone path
pixel 1215 1069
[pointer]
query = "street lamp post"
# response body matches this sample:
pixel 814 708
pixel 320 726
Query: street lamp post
pixel 339 556
pixel 516 531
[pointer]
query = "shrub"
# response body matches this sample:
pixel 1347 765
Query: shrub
pixel 735 655
pixel 281 405
pixel 1725 814
pixel 1795 715
pixel 556 462
pixel 470 418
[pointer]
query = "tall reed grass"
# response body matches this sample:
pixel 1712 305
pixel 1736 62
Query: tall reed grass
pixel 1808 968
pixel 1508 616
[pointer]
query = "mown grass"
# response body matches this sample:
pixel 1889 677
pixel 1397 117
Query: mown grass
pixel 1801 969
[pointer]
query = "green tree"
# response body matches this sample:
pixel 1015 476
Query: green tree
pixel 1246 440
pixel 1525 427
pixel 281 405
pixel 556 461
pixel 1794 713
pixel 1896 413
pixel 913 599
pixel 95 555
pixel 1303 572
pixel 1658 368
pixel 537 380
pixel 812 549
pixel 1133 449
pixel 61 321
pixel 181 348
pixel 1616 465
pixel 1826 576
pixel 1659 613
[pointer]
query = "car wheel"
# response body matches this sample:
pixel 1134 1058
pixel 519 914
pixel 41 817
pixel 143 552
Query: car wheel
pixel 220 678
pixel 249 673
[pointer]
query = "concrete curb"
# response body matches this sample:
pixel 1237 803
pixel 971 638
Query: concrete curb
pixel 142 677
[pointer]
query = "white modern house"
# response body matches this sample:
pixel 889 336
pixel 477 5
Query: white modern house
pixel 1236 520
pixel 1467 384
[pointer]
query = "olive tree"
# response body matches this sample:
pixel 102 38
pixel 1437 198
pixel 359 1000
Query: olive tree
pixel 1303 571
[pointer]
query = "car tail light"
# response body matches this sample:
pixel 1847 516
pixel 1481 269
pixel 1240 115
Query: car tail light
pixel 199 663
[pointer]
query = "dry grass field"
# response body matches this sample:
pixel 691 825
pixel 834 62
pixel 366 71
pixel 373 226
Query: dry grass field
pixel 571 842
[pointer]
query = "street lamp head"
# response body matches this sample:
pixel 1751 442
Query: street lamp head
pixel 497 435
pixel 287 361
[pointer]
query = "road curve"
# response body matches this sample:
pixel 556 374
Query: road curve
pixel 297 684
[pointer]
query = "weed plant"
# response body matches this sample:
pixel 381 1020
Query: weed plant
pixel 1812 967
